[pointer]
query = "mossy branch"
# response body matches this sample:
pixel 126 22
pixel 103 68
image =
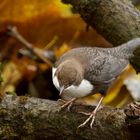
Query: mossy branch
pixel 33 118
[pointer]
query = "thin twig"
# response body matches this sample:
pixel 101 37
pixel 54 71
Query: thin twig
pixel 51 43
pixel 38 52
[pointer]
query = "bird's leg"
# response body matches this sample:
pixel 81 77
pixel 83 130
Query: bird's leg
pixel 68 104
pixel 91 115
pixel 62 101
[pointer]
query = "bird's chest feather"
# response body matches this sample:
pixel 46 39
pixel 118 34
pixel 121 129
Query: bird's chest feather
pixel 82 90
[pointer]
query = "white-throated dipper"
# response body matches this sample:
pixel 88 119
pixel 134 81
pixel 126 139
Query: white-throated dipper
pixel 89 70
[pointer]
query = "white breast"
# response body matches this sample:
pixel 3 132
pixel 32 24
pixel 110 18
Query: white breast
pixel 73 91
pixel 82 90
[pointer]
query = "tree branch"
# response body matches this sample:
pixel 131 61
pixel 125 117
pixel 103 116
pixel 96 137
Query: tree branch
pixel 117 21
pixel 38 52
pixel 33 118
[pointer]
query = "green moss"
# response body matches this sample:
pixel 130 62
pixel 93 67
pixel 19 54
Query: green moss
pixel 71 121
pixel 7 131
pixel 3 112
pixel 28 127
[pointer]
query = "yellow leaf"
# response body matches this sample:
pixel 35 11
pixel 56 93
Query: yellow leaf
pixel 64 48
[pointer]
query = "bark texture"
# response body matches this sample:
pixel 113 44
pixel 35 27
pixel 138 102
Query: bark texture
pixel 116 20
pixel 32 118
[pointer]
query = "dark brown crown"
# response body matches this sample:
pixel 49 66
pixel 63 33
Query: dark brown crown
pixel 69 72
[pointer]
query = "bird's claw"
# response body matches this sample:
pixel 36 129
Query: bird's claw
pixel 85 113
pixel 61 101
pixel 67 104
pixel 91 117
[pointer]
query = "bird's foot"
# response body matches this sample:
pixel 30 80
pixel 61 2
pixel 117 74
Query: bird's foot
pixel 67 104
pixel 61 101
pixel 91 117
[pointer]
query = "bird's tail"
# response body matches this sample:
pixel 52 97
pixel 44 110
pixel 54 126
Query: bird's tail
pixel 126 50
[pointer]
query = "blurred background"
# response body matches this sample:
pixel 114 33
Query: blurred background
pixel 52 28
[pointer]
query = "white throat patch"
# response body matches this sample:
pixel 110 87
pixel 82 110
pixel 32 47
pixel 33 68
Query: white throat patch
pixel 55 80
pixel 73 91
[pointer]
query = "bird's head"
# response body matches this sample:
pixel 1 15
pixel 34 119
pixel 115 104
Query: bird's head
pixel 67 74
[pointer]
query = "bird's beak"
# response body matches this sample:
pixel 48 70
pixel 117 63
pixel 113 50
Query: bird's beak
pixel 61 90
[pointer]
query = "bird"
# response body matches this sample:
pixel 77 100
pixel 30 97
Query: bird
pixel 86 71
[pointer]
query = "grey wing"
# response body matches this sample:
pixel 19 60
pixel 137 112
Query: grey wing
pixel 105 69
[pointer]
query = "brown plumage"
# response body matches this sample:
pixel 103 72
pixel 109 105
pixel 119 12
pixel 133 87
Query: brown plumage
pixel 68 75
